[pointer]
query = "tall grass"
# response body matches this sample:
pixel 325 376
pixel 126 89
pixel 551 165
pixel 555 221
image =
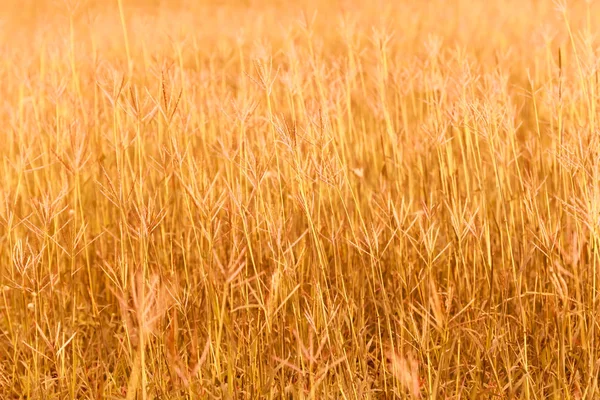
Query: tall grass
pixel 255 199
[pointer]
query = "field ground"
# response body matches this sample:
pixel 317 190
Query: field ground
pixel 314 199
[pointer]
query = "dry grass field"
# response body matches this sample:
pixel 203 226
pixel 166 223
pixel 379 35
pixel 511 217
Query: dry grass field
pixel 266 199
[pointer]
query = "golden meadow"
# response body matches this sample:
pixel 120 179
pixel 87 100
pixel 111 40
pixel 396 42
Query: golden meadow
pixel 305 200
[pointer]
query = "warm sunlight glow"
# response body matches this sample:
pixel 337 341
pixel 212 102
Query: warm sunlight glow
pixel 268 199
